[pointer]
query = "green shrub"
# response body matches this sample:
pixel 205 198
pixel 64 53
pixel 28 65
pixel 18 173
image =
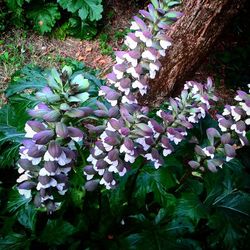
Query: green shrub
pixel 77 18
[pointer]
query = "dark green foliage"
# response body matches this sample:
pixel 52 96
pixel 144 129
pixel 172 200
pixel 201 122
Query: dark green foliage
pixel 75 17
pixel 231 59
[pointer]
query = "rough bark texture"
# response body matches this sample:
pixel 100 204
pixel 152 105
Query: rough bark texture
pixel 193 36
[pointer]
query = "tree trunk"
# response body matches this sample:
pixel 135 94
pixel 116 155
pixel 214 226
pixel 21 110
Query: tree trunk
pixel 194 34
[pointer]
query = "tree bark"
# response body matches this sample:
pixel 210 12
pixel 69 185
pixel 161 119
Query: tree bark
pixel 194 34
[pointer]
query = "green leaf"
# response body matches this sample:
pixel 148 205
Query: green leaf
pixel 80 29
pixel 171 4
pixel 155 3
pixel 13 117
pixel 189 205
pixel 158 239
pixel 95 9
pixel 118 198
pixel 14 241
pixel 27 216
pixel 44 17
pixel 16 8
pixel 57 232
pixel 179 226
pixel 56 76
pixel 16 201
pixel 29 77
pixel 157 182
pixel 13 4
pixel 8 154
pixel 8 123
pixel 83 13
pixel 83 96
pixel 82 83
pixel 87 9
pixel 236 202
pixel 231 219
pixel 77 196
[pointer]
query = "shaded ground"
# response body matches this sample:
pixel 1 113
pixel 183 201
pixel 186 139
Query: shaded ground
pixel 18 48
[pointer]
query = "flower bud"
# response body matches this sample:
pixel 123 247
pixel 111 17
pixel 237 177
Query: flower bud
pixel 101 113
pixel 211 134
pixel 230 151
pixel 43 137
pixel 108 177
pixel 91 185
pixel 113 112
pixel 226 139
pixel 199 151
pixel 52 116
pixel 194 164
pixel 62 130
pixel 111 141
pixel 156 126
pixel 95 129
pixel 89 170
pixel 27 185
pixel 36 126
pixel 51 167
pixel 101 164
pixel 54 149
pixel 35 152
pixel 39 111
pixel 211 166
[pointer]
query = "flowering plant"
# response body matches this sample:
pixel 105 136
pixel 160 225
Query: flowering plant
pixel 160 164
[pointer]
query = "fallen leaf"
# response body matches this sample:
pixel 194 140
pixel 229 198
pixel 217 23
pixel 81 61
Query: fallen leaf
pixel 88 49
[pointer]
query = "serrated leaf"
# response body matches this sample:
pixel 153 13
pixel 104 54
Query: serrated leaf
pixel 8 125
pixel 83 13
pixel 156 182
pixel 16 201
pixel 189 205
pixel 57 232
pixel 44 17
pixel 95 9
pixel 27 216
pixel 157 239
pixel 236 202
pixel 8 154
pixel 87 9
pixel 27 78
pixel 230 219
